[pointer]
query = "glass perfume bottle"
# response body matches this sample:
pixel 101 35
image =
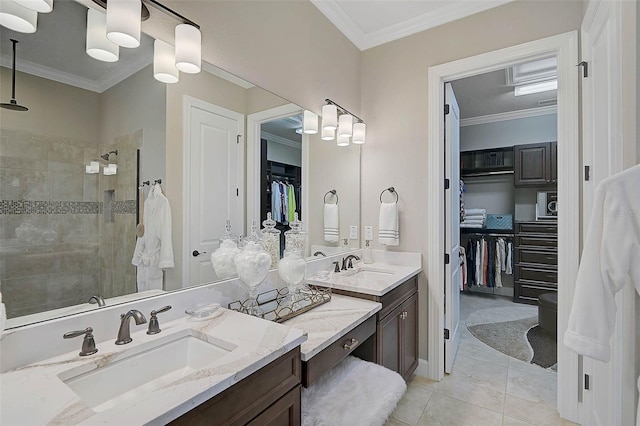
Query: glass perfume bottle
pixel 292 269
pixel 271 239
pixel 367 253
pixel 223 258
pixel 295 238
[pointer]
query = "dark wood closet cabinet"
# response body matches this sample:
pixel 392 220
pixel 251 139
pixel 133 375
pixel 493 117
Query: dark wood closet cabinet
pixel 535 164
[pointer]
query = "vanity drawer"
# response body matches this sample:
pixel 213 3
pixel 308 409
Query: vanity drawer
pixel 538 257
pixel 337 351
pixel 536 274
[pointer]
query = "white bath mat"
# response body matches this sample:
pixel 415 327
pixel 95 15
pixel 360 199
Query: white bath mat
pixel 353 393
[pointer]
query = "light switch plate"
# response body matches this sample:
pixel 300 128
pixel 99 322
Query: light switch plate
pixel 353 232
pixel 368 233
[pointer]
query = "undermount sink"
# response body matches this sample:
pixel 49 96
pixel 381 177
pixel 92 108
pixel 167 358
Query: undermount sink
pixel 371 275
pixel 149 367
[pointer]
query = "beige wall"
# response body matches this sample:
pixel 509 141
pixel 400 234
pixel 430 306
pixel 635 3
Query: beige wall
pixel 394 104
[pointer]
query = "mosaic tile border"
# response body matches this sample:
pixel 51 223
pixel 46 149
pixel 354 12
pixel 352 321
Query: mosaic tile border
pixel 64 207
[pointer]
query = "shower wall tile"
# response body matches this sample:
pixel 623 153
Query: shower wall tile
pixel 22 262
pixel 18 184
pixel 26 295
pixel 19 150
pixel 66 186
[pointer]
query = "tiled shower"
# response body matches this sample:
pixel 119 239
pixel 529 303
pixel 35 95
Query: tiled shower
pixel 58 245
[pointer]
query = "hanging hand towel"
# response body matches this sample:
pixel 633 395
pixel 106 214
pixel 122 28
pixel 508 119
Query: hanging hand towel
pixel 388 229
pixel 331 223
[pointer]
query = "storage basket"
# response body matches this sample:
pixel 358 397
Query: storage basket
pixel 499 221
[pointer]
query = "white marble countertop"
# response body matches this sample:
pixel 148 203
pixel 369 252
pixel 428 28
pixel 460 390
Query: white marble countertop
pixel 329 322
pixel 389 276
pixel 35 394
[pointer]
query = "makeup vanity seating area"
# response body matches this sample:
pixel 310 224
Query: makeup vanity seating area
pixel 230 368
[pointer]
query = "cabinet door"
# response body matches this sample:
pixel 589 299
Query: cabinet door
pixel 554 162
pixel 409 336
pixel 285 412
pixel 389 341
pixel 532 164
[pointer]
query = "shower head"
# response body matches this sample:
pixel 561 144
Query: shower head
pixel 105 156
pixel 13 104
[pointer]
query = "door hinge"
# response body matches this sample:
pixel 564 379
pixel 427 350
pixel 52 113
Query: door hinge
pixel 586 382
pixel 238 138
pixel 587 170
pixel 447 184
pixel 447 108
pixel 447 258
pixel 585 68
pixel 446 334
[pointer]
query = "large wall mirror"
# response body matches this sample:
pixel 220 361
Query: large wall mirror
pixel 68 230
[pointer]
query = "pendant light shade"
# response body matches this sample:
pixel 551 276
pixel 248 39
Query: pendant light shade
pixel 98 45
pixel 164 65
pixel 109 170
pixel 328 135
pixel 123 22
pixel 329 117
pixel 42 6
pixel 359 130
pixel 345 125
pixel 309 122
pixel 188 48
pixel 18 18
pixel 343 141
pixel 92 168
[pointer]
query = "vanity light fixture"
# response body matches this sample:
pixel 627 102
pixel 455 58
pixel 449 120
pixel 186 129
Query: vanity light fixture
pixel 309 122
pixel 188 56
pixel 98 45
pixel 328 134
pixel 92 168
pixel 164 65
pixel 42 6
pixel 109 170
pixel 123 22
pixel 18 18
pixel 345 124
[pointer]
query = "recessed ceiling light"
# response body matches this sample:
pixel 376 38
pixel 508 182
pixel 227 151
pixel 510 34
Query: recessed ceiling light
pixel 543 86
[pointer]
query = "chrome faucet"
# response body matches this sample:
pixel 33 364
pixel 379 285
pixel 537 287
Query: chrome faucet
pixel 319 253
pixel 347 261
pixel 97 299
pixel 124 333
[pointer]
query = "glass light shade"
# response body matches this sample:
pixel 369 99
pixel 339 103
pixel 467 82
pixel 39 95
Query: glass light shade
pixel 18 18
pixel 93 168
pixel 188 49
pixel 123 22
pixel 109 170
pixel 42 6
pixel 164 66
pixel 309 122
pixel 343 140
pixel 329 117
pixel 345 125
pixel 98 45
pixel 328 135
pixel 359 131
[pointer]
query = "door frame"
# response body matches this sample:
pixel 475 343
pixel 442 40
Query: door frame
pixel 189 103
pixel 565 47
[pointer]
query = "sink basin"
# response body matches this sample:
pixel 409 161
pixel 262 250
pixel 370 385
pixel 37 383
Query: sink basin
pixel 149 367
pixel 371 275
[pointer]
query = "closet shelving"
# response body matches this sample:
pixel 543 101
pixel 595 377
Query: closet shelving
pixel 487 162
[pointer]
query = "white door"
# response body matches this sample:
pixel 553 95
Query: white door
pixel 608 400
pixel 213 181
pixel 453 271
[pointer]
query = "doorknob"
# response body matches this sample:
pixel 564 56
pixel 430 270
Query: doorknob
pixel 197 253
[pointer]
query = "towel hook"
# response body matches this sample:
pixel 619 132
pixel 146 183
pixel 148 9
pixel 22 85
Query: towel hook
pixel 334 192
pixel 392 190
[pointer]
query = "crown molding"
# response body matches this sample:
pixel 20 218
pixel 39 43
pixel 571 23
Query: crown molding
pixel 63 77
pixel 283 141
pixel 425 21
pixel 212 69
pixel 511 115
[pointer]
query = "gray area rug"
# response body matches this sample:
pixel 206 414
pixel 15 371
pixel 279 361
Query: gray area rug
pixel 507 337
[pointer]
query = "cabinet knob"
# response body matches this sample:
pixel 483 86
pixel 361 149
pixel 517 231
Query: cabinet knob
pixel 350 344
pixel 403 315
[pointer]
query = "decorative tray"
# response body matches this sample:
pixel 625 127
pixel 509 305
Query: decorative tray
pixel 275 305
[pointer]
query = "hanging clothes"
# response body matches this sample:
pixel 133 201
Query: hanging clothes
pixel 479 280
pixel 485 263
pixel 463 266
pixel 471 262
pixel 291 203
pixel 490 263
pixel 497 266
pixel 154 251
pixel 509 259
pixel 503 254
pixel 276 201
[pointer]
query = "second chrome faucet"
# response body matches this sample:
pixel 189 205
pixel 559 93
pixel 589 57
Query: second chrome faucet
pixel 124 333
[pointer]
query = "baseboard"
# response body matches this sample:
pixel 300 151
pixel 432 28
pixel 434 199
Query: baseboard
pixel 423 368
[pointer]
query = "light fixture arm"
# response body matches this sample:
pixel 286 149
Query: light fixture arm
pixel 156 5
pixel 344 110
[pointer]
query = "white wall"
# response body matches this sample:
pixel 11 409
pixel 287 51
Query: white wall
pixel 284 153
pixel 520 131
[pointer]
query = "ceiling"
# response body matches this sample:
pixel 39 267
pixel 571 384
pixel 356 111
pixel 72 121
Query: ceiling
pixel 369 23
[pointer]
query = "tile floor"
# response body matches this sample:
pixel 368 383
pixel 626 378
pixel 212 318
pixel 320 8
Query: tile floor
pixel 486 387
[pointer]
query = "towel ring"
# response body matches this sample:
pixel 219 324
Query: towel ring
pixel 334 192
pixel 392 190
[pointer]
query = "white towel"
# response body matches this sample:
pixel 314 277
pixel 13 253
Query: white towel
pixel 467 220
pixel 388 230
pixel 471 225
pixel 475 217
pixel 331 223
pixel 469 212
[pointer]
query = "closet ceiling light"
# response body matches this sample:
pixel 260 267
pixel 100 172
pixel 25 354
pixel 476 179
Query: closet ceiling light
pixel 123 22
pixel 309 122
pixel 328 134
pixel 18 18
pixel 98 45
pixel 164 66
pixel 345 125
pixel 343 140
pixel 329 117
pixel 42 6
pixel 529 89
pixel 359 131
pixel 188 48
